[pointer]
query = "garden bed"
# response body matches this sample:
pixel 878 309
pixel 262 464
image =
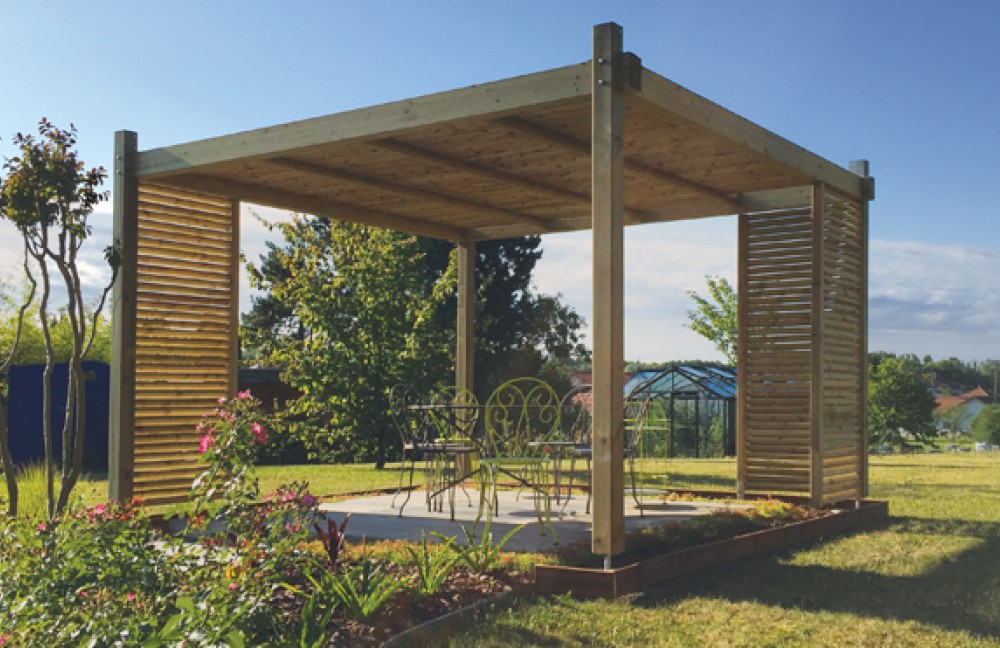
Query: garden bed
pixel 641 569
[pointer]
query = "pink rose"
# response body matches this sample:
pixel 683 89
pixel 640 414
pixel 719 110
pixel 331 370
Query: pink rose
pixel 99 509
pixel 258 432
pixel 205 443
pixel 243 395
pixel 130 597
pixel 232 587
pixel 41 527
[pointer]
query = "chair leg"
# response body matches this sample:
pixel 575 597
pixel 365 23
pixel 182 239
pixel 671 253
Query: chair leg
pixel 409 491
pixel 635 494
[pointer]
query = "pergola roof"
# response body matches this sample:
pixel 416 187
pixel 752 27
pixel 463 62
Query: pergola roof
pixel 507 158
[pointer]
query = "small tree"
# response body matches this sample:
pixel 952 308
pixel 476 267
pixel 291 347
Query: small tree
pixel 715 318
pixel 986 425
pixel 899 400
pixel 48 195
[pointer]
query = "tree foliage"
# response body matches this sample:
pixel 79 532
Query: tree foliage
pixel 900 403
pixel 48 194
pixel 361 313
pixel 986 425
pixel 313 284
pixel 715 317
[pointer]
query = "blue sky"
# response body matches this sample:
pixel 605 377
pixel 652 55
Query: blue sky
pixel 912 87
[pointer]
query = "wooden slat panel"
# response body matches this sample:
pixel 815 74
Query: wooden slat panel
pixel 185 331
pixel 775 350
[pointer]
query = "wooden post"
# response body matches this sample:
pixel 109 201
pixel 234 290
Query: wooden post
pixel 234 301
pixel 816 372
pixel 608 208
pixel 742 351
pixel 861 168
pixel 121 419
pixel 465 339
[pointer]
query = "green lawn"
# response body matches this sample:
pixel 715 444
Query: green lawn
pixel 928 577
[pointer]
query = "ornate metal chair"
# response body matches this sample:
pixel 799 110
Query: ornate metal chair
pixel 521 416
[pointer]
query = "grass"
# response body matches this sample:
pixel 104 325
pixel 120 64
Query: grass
pixel 929 576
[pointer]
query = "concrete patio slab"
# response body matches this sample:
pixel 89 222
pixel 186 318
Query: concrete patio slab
pixel 374 518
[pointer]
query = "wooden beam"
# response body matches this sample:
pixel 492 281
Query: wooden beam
pixel 121 419
pixel 319 206
pixel 863 170
pixel 816 350
pixel 497 175
pixel 465 338
pixel 632 164
pixel 541 224
pixel 742 351
pixel 713 117
pixel 499 97
pixel 608 205
pixel 773 199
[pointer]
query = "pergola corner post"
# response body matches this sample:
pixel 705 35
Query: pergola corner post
pixel 608 208
pixel 863 169
pixel 465 338
pixel 121 419
pixel 816 414
pixel 742 354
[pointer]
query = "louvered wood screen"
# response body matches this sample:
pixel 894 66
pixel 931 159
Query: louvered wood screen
pixel 801 351
pixel 843 361
pixel 185 355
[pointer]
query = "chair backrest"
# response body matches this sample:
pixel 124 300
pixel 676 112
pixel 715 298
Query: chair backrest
pixel 408 423
pixel 636 411
pixel 519 412
pixel 456 414
pixel 576 416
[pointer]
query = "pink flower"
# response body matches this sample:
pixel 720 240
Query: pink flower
pixel 308 500
pixel 130 597
pixel 243 395
pixel 222 400
pixel 205 443
pixel 41 527
pixel 83 593
pixel 99 509
pixel 232 587
pixel 4 638
pixel 258 432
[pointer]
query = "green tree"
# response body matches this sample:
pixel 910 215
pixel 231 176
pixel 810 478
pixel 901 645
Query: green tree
pixel 986 425
pixel 715 318
pixel 900 404
pixel 363 309
pixel 48 195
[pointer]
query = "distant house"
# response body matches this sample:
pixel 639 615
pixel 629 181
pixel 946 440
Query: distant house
pixel 956 413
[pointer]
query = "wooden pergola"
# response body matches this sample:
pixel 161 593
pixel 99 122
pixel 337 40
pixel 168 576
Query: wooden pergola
pixel 599 145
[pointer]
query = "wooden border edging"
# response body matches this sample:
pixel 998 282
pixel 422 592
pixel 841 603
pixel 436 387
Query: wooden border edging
pixel 612 583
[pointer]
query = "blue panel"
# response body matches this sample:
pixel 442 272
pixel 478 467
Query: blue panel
pixel 25 413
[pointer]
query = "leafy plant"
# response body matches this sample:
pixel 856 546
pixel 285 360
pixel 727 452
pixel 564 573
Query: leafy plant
pixel 229 435
pixel 433 565
pixel 481 555
pixel 313 633
pixel 332 537
pixel 361 591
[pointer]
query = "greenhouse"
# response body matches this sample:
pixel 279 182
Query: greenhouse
pixel 691 413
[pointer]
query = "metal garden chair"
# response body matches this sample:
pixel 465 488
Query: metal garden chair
pixel 520 416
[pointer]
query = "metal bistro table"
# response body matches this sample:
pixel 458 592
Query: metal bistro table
pixel 454 424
